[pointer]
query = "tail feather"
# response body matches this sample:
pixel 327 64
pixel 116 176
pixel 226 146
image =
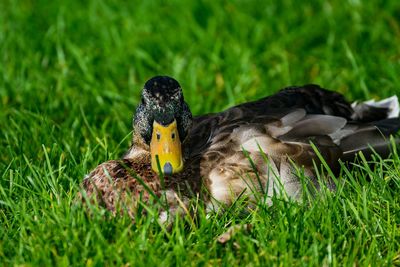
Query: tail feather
pixel 391 104
pixel 388 126
pixel 372 110
pixel 371 138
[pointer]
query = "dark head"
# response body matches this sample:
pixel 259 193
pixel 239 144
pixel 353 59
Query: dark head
pixel 163 120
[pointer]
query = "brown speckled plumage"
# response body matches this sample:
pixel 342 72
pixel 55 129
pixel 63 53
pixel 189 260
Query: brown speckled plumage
pixel 278 128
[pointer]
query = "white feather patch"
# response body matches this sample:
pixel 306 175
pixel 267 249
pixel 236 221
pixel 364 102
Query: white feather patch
pixel 391 103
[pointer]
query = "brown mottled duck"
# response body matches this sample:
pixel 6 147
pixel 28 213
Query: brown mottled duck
pixel 251 148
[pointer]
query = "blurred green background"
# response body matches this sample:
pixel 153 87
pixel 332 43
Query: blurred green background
pixel 71 73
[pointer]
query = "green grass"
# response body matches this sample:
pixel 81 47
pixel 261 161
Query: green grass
pixel 70 77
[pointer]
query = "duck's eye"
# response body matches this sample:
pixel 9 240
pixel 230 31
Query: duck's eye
pixel 143 101
pixel 158 135
pixel 173 136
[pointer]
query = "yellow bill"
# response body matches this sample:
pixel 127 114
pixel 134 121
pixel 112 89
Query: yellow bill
pixel 166 146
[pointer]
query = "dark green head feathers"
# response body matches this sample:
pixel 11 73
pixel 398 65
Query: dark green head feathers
pixel 162 101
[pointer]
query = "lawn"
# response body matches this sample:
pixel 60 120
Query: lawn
pixel 70 77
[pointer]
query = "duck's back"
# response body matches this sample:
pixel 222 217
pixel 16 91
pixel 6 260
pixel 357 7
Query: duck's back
pixel 278 130
pixel 311 98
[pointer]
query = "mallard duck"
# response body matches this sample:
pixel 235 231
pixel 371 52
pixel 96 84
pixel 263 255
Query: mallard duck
pixel 254 146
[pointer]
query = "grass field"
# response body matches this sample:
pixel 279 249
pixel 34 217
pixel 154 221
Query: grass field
pixel 70 78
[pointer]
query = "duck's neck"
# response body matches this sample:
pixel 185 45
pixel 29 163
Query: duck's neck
pixel 138 148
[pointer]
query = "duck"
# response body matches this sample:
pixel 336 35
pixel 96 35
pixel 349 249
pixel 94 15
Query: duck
pixel 249 149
